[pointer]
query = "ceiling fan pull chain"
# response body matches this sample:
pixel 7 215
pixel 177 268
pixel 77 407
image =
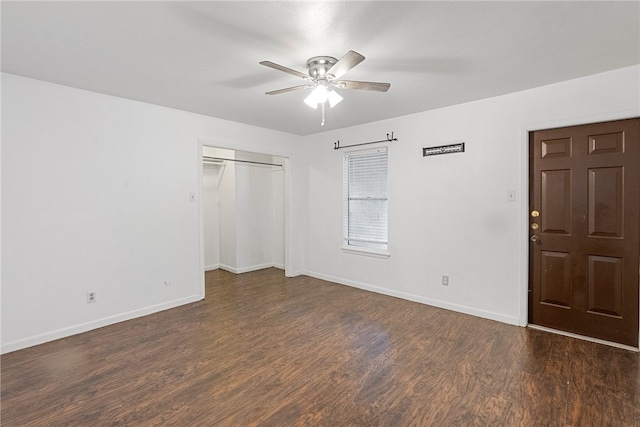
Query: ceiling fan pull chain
pixel 322 123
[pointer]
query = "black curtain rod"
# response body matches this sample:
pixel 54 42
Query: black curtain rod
pixel 336 145
pixel 240 161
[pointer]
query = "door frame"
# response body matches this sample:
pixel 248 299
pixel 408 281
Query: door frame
pixel 523 210
pixel 287 199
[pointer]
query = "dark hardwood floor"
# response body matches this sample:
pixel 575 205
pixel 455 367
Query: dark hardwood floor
pixel 267 350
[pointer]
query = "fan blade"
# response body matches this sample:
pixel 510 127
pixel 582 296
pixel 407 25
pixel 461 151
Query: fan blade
pixel 347 62
pixel 289 89
pixel 377 87
pixel 283 68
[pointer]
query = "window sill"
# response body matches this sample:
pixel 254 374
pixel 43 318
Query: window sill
pixel 366 252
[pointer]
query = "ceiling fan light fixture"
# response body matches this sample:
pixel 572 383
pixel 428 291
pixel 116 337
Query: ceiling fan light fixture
pixel 334 98
pixel 311 101
pixel 322 94
pixel 317 96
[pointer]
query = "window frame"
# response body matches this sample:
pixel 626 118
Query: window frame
pixel 362 250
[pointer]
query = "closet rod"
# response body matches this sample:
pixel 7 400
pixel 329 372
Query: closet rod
pixel 240 161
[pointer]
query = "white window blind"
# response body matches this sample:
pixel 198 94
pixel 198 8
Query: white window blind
pixel 365 199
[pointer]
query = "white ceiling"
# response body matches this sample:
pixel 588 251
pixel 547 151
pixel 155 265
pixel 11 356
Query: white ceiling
pixel 203 56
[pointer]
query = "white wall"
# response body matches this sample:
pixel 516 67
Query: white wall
pixel 449 214
pixel 211 175
pixel 277 217
pixel 227 213
pixel 254 213
pixel 95 196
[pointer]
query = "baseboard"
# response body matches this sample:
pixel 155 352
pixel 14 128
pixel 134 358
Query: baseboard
pixel 211 267
pixel 296 273
pixel 95 324
pixel 583 337
pixel 246 269
pixel 459 308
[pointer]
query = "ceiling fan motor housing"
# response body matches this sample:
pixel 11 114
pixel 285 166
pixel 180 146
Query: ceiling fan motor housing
pixel 319 65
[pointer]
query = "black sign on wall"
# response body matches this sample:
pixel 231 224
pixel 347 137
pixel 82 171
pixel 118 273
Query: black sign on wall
pixel 443 149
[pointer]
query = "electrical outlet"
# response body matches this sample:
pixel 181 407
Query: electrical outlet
pixel 91 296
pixel 445 280
pixel 167 282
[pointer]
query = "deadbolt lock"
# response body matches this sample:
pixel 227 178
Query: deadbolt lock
pixel 534 226
pixel 535 214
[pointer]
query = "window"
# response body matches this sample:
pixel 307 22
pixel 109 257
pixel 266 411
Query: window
pixel 365 199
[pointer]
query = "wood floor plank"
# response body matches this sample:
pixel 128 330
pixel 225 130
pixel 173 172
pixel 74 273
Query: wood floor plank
pixel 266 350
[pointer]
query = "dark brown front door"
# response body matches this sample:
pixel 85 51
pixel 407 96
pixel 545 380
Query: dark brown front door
pixel 585 229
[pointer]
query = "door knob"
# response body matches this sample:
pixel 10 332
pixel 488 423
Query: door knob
pixel 535 226
pixel 535 214
pixel 534 238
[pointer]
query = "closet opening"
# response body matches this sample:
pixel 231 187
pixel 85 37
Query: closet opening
pixel 243 215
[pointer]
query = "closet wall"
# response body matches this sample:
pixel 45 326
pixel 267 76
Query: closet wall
pixel 243 212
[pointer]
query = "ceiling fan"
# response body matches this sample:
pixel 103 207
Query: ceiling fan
pixel 324 76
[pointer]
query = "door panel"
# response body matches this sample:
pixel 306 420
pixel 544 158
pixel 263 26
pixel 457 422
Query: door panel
pixel 605 202
pixel 556 201
pixel 555 286
pixel 607 143
pixel 604 285
pixel 555 148
pixel 584 262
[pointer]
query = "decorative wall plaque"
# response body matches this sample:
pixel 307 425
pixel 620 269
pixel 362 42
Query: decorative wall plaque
pixel 443 149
